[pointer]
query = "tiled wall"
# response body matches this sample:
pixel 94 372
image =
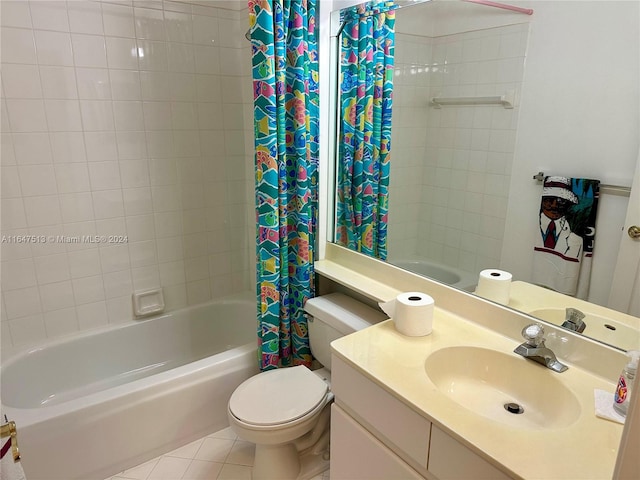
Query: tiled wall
pixel 126 119
pixel 454 163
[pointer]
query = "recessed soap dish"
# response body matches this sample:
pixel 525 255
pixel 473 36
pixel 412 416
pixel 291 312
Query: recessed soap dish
pixel 148 302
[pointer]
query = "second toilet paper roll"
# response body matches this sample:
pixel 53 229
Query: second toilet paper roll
pixel 494 285
pixel 412 313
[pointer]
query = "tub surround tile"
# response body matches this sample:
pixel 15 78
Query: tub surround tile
pixel 107 133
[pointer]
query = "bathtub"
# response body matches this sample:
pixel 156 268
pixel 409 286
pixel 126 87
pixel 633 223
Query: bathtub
pixel 92 405
pixel 439 272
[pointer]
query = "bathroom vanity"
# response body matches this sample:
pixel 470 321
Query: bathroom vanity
pixel 433 407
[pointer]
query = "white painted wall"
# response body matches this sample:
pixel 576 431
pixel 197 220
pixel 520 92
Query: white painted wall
pixel 579 116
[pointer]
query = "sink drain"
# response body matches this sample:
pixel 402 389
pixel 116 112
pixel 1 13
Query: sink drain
pixel 514 408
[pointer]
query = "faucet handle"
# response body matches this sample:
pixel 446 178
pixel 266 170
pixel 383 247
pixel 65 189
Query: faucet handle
pixel 533 334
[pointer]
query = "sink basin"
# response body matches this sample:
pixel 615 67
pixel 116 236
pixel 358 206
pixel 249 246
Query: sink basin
pixel 605 329
pixel 484 381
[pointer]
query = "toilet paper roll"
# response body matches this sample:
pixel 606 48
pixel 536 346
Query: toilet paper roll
pixel 494 285
pixel 412 313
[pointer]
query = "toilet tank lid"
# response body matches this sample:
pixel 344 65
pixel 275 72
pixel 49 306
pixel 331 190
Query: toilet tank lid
pixel 345 314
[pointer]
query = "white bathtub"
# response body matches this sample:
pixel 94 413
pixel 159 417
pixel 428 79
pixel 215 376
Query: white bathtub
pixel 92 405
pixel 439 272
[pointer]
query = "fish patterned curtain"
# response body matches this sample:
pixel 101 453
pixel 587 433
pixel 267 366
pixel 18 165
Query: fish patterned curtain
pixel 366 86
pixel 285 87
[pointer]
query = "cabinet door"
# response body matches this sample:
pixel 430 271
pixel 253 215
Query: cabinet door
pixel 358 455
pixel 450 460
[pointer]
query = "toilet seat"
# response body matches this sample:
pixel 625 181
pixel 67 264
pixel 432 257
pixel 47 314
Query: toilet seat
pixel 278 396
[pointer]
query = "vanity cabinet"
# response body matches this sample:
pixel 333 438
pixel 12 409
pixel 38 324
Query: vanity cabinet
pixel 374 435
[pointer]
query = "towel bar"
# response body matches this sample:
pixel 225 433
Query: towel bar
pixel 618 190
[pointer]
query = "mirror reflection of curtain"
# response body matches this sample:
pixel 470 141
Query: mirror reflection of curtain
pixel 366 85
pixel 285 73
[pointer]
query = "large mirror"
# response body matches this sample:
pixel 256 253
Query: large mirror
pixel 490 122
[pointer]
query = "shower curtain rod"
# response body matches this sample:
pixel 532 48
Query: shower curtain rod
pixel 527 11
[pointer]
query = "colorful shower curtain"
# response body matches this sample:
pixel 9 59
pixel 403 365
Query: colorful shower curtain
pixel 285 87
pixel 366 85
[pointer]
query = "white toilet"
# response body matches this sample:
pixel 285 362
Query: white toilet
pixel 285 412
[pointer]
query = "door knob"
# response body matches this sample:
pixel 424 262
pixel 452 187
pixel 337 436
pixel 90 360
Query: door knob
pixel 634 231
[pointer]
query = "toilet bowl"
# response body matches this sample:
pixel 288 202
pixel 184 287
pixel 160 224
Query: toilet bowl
pixel 286 412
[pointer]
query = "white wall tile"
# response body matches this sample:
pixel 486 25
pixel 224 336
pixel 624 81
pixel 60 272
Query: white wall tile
pixel 18 274
pixel 37 180
pixel 89 50
pixel 23 302
pixel 49 15
pixel 97 115
pixel 118 20
pixel 181 58
pixel 108 204
pixel 54 48
pixel 179 27
pixel 104 175
pixel 131 146
pixel 172 273
pixel 63 115
pixel 10 182
pixel 92 315
pixel 52 268
pixel 140 228
pixel 27 330
pixel 84 263
pixel 72 177
pixel 76 207
pixel 100 146
pixel 122 53
pixel 128 116
pixel 134 173
pixel 15 13
pixel 114 258
pixel 119 309
pixel 84 104
pixel 149 24
pixel 68 147
pixel 60 322
pixel 85 17
pixel 155 86
pixel 118 284
pixel 55 296
pixel 170 249
pixel 152 55
pixel 142 254
pixel 205 30
pixel 125 84
pixel 27 115
pixel 58 82
pixel 42 210
pixel 137 201
pixel 145 278
pixel 93 83
pixel 88 289
pixel 18 46
pixel 21 81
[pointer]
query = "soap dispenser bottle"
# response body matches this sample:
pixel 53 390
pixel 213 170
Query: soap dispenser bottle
pixel 625 382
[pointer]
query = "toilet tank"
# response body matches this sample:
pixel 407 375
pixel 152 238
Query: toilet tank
pixel 333 316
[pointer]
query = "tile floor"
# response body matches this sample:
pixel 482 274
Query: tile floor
pixel 219 456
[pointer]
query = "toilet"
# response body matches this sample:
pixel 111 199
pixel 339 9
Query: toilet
pixel 286 411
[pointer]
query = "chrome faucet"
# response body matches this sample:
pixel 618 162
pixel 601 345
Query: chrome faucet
pixel 573 320
pixel 535 349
